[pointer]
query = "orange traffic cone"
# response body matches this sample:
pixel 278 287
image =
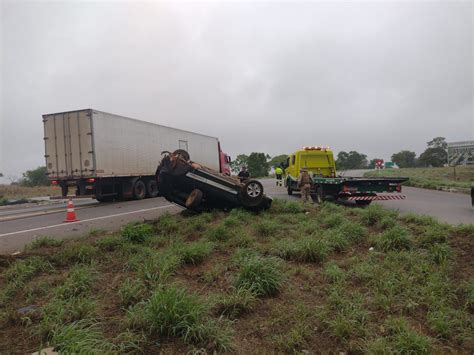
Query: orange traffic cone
pixel 70 215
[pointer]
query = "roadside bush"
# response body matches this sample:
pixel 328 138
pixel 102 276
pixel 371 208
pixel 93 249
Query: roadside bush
pixel 306 249
pixel 396 238
pixel 261 275
pixel 137 232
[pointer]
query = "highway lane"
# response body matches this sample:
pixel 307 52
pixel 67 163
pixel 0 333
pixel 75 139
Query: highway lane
pixel 447 207
pixel 16 233
pixel 20 226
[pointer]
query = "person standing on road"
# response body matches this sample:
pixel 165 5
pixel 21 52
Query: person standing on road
pixel 243 174
pixel 279 176
pixel 304 184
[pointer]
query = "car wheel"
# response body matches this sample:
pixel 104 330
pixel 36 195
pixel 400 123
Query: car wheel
pixel 194 199
pixel 151 189
pixel 184 154
pixel 139 190
pixel 252 193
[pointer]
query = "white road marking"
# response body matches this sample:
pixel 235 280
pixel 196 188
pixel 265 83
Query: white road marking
pixel 86 220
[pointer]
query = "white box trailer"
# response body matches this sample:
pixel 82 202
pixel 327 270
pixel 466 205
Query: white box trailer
pixel 111 156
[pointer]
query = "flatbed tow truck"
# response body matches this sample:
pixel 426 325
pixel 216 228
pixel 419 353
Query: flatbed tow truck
pixel 327 185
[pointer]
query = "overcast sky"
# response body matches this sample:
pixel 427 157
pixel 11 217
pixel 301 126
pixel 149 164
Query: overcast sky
pixel 376 77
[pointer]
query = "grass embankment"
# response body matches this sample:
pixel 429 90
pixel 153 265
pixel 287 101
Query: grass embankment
pixel 294 278
pixel 17 192
pixel 432 178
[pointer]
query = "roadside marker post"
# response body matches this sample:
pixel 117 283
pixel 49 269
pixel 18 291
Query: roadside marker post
pixel 71 214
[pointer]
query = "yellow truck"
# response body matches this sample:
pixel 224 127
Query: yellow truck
pixel 326 184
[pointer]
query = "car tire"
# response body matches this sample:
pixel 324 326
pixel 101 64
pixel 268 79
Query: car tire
pixel 252 193
pixel 194 199
pixel 151 189
pixel 139 190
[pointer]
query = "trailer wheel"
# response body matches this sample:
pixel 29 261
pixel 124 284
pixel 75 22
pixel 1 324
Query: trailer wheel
pixel 151 189
pixel 139 190
pixel 252 193
pixel 194 199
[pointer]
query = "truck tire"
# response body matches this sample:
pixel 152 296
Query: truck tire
pixel 104 198
pixel 194 199
pixel 363 202
pixel 151 189
pixel 64 190
pixel 139 190
pixel 252 193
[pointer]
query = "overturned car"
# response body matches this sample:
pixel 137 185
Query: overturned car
pixel 201 189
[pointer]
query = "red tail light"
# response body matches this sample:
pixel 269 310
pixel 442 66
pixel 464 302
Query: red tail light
pixel 399 188
pixel 90 181
pixel 54 182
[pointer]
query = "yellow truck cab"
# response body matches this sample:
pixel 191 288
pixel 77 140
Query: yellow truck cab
pixel 319 162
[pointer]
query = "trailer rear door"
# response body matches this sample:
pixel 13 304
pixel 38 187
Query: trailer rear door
pixel 68 144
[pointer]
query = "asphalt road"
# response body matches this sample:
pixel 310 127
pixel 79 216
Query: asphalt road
pixel 29 223
pixel 19 225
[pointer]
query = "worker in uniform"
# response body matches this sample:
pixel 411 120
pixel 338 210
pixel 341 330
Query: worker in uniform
pixel 243 174
pixel 279 176
pixel 304 184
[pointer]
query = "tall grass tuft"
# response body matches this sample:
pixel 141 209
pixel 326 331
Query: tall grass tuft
pixel 306 249
pixel 396 238
pixel 261 275
pixel 238 302
pixel 137 232
pixel 194 253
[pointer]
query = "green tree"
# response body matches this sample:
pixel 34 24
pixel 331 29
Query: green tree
pixel 404 159
pixel 435 157
pixel 276 161
pixel 258 165
pixel 351 160
pixel 238 162
pixel 437 142
pixel 35 177
pixel 372 163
